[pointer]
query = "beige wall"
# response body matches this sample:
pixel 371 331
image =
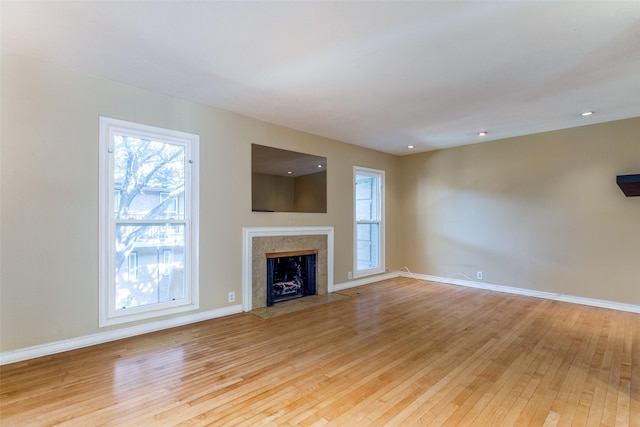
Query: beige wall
pixel 541 212
pixel 311 192
pixel 49 199
pixel 307 193
pixel 271 193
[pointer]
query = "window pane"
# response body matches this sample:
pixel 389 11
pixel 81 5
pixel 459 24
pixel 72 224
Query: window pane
pixel 149 176
pixel 157 275
pixel 368 243
pixel 132 272
pixel 366 198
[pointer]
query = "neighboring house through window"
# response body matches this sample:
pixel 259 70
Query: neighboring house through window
pixel 171 209
pixel 148 221
pixel 369 221
pixel 132 264
pixel 116 201
pixel 166 261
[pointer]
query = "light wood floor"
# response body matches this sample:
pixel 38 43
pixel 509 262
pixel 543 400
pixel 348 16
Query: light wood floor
pixel 401 352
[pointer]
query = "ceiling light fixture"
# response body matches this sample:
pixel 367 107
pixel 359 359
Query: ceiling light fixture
pixel 319 166
pixel 586 113
pixel 410 146
pixel 483 133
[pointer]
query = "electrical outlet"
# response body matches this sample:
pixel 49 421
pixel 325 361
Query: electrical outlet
pixel 479 275
pixel 349 275
pixel 232 296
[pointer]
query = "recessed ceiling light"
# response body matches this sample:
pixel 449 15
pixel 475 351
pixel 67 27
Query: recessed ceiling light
pixel 289 172
pixel 483 133
pixel 587 113
pixel 319 166
pixel 410 146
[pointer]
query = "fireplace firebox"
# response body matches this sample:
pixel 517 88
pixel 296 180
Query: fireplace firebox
pixel 290 275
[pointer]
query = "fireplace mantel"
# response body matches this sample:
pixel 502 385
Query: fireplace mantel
pixel 290 253
pixel 249 233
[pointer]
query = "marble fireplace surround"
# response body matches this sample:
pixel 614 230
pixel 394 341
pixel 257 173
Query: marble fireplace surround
pixel 258 241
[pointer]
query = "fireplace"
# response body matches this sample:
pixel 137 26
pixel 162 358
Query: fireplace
pixel 290 275
pixel 258 242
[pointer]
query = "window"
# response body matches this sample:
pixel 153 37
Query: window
pixel 166 261
pixel 132 273
pixel 170 203
pixel 369 221
pixel 116 201
pixel 148 221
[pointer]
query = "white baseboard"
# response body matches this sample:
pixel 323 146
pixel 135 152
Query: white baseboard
pixel 102 337
pixel 528 292
pixel 364 281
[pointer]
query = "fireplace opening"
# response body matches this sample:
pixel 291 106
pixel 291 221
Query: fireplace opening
pixel 290 275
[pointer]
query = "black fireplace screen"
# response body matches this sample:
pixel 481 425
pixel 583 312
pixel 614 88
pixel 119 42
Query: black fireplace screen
pixel 290 277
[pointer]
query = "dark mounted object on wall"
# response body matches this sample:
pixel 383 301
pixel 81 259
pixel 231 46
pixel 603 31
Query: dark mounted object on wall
pixel 629 184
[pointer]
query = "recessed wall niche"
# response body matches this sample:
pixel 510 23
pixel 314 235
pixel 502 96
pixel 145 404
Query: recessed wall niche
pixel 287 181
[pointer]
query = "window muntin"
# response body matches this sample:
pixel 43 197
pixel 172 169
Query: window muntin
pixel 152 175
pixel 369 225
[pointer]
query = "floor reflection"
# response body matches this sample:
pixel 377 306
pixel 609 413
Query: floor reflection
pixel 158 368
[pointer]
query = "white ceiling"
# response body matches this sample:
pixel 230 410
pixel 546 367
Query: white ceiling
pixel 383 75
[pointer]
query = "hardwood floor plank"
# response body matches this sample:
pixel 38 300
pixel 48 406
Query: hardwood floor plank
pixel 397 352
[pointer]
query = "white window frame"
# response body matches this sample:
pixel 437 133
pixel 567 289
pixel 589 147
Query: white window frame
pixel 108 315
pixel 379 174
